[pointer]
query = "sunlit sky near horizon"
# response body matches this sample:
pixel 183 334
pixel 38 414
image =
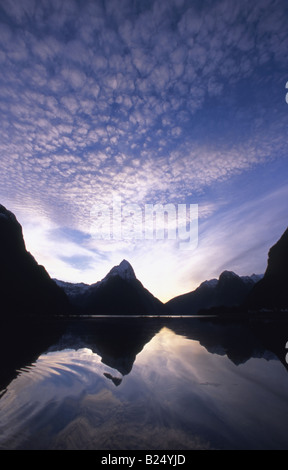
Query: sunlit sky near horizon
pixel 156 102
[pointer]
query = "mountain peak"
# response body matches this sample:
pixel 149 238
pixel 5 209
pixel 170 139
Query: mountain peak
pixel 11 236
pixel 227 276
pixel 271 291
pixel 25 286
pixel 9 216
pixel 277 258
pixel 123 270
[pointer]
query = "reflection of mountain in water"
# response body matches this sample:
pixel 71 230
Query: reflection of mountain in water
pixel 118 340
pixel 239 340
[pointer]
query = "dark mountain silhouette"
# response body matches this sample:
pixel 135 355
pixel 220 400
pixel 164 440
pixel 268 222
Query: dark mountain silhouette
pixel 119 293
pixel 240 339
pixel 25 287
pixel 229 291
pixel 272 291
pixel 116 340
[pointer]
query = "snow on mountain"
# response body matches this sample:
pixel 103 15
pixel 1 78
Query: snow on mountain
pixel 211 283
pixel 123 270
pixel 254 278
pixel 71 289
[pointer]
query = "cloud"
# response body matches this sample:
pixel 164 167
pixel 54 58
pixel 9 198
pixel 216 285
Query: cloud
pixel 157 101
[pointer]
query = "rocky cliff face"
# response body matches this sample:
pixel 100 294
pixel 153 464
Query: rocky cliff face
pixel 272 291
pixel 25 287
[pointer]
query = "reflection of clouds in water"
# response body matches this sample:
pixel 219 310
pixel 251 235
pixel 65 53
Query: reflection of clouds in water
pixel 177 396
pixel 68 400
pixel 131 417
pixel 69 393
pixel 82 434
pixel 48 391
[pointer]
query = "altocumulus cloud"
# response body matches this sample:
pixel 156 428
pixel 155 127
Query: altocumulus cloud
pixel 156 101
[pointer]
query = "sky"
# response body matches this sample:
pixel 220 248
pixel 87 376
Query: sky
pixel 155 102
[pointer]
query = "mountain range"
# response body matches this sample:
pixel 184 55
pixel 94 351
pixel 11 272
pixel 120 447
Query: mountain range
pixel 130 297
pixel 119 293
pixel 229 290
pixel 26 287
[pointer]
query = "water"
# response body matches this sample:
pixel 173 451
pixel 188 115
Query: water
pixel 144 383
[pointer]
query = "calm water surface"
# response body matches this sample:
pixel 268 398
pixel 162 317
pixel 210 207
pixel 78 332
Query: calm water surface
pixel 145 384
